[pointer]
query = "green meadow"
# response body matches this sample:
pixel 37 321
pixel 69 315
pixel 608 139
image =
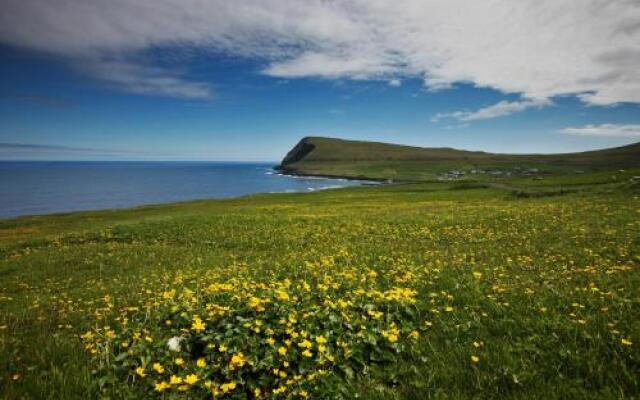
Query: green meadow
pixel 520 288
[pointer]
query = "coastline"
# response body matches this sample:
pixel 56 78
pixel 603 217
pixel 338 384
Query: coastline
pixel 160 203
pixel 374 181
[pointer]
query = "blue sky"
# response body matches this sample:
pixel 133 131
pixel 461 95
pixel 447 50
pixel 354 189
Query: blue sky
pixel 223 93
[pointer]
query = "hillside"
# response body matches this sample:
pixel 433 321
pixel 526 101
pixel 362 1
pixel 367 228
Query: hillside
pixel 358 159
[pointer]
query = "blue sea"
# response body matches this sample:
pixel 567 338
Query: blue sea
pixel 29 188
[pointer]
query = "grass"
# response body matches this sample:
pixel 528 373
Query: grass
pixel 425 290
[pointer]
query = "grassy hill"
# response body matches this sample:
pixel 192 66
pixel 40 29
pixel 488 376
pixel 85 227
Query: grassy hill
pixel 357 159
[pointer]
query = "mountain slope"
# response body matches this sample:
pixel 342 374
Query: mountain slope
pixel 357 159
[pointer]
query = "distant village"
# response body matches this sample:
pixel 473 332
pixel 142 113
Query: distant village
pixel 496 172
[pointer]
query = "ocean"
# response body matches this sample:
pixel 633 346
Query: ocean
pixel 33 188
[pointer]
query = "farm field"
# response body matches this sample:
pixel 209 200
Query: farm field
pixel 425 290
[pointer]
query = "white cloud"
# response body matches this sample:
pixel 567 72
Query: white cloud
pixel 537 48
pixel 606 130
pixel 395 82
pixel 499 109
pixel 322 65
pixel 140 79
pixel 457 126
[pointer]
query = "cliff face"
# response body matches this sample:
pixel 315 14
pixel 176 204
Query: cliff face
pixel 298 152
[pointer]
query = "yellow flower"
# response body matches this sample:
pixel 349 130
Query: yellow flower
pixel 161 386
pixel 282 350
pixel 322 348
pixel 227 387
pixel 222 348
pixel 201 363
pixel 477 274
pixel 475 359
pixel 280 389
pixel 375 314
pixel 198 325
pixel 282 295
pixel 414 335
pixel 307 353
pixel 179 361
pixel 256 392
pixel 87 336
pixel 158 368
pixel 140 372
pixel 175 380
pixel 305 344
pixel 626 342
pixel 238 360
pixel 256 303
pixel 321 340
pixel 191 379
pixel 271 341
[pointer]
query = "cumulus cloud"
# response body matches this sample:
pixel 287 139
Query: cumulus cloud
pixel 499 109
pixel 606 130
pixel 539 49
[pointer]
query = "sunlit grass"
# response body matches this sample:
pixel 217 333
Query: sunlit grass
pixel 390 292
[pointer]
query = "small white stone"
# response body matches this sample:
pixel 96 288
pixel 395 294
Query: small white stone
pixel 174 343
